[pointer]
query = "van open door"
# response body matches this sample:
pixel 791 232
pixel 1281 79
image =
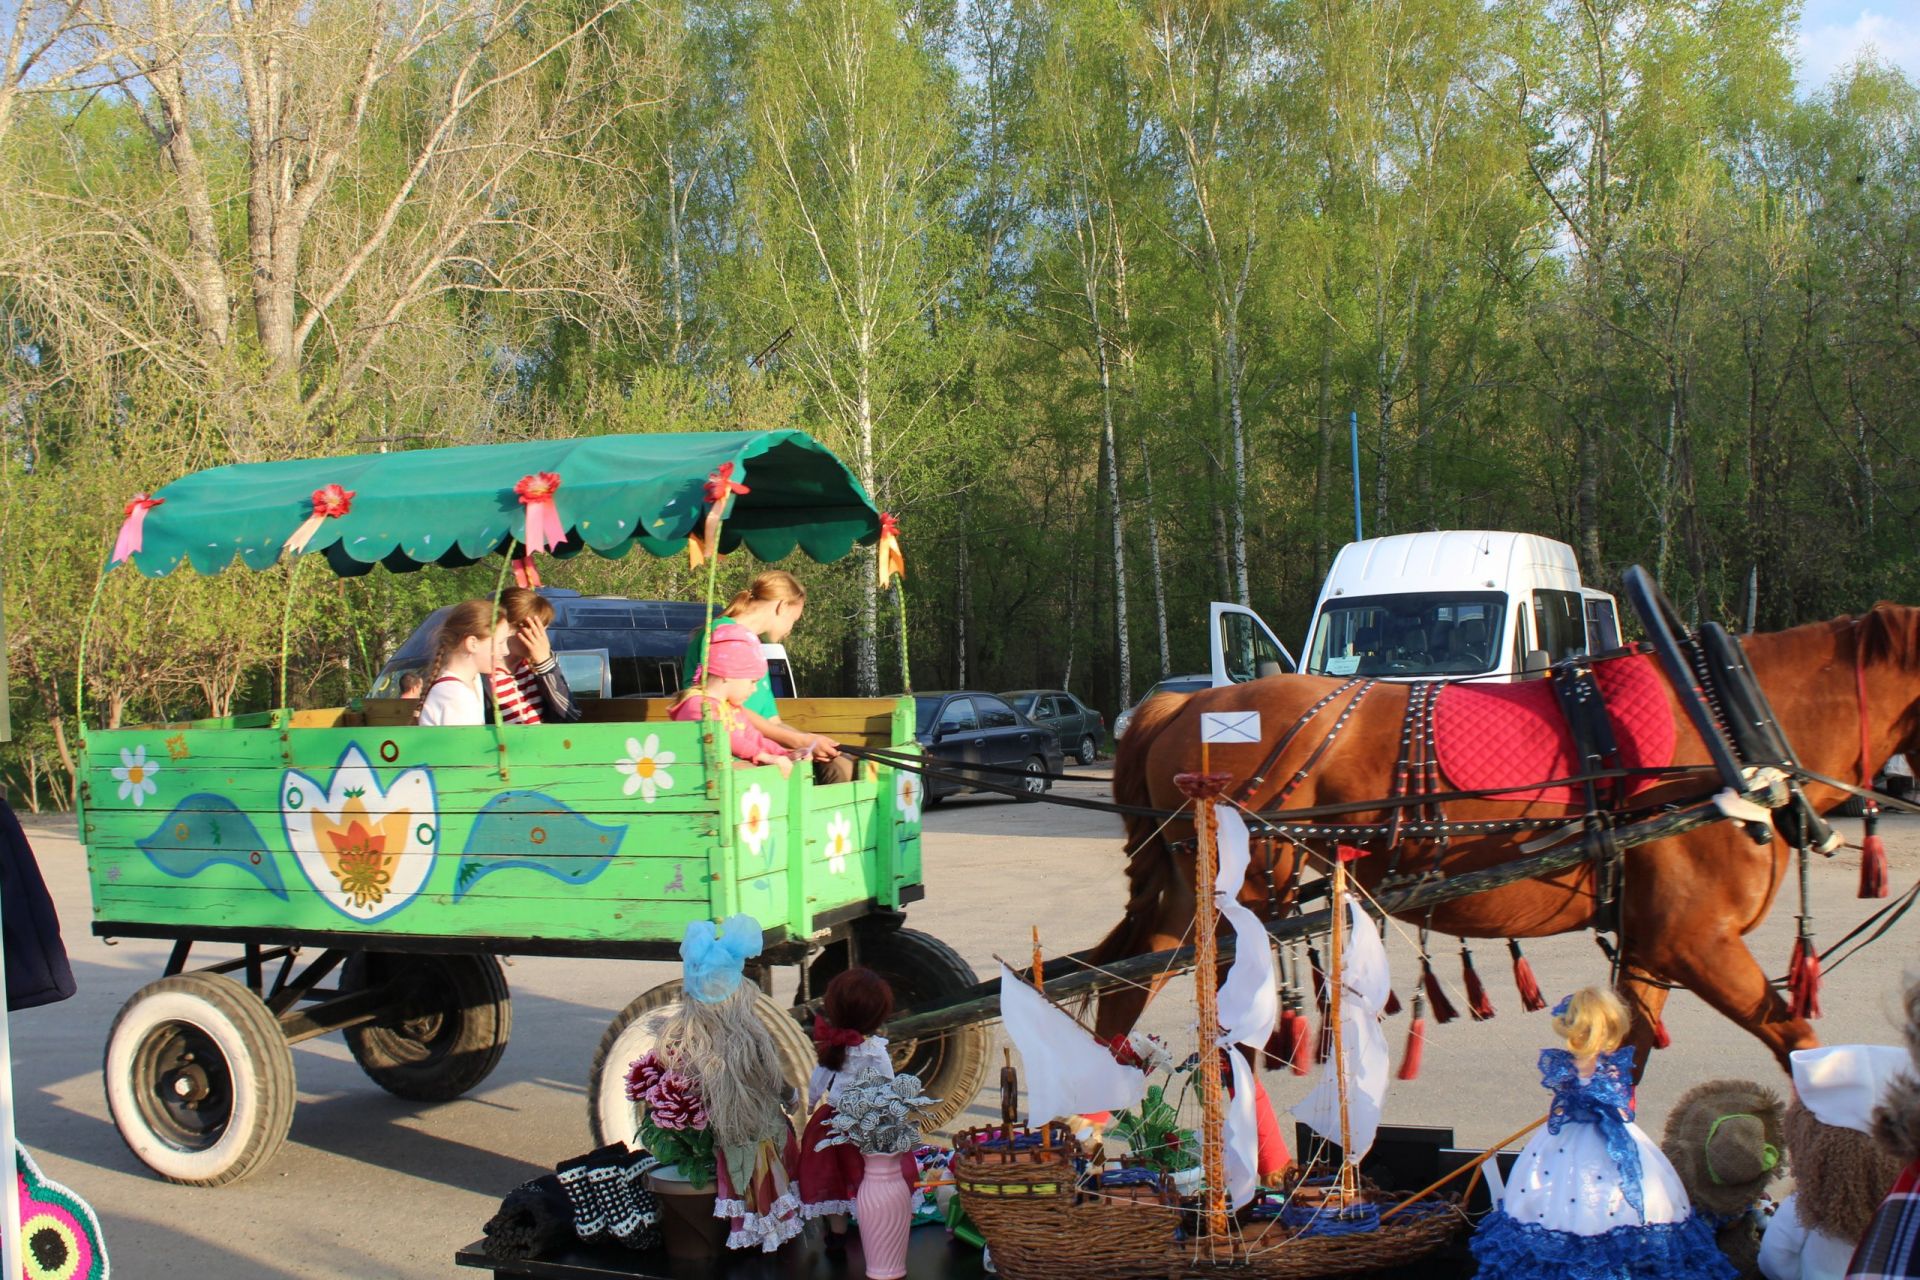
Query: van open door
pixel 1244 647
pixel 1603 621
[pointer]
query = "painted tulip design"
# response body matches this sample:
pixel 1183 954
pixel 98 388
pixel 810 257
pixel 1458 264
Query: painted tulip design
pixel 367 849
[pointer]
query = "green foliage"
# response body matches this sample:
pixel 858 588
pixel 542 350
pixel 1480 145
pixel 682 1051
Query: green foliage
pixel 1590 269
pixel 1153 1134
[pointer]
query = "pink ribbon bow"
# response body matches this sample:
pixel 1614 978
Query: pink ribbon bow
pixel 543 521
pixel 704 541
pixel 132 529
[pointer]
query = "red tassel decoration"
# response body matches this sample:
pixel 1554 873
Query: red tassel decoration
pixel 1803 978
pixel 1393 1004
pixel 1530 998
pixel 1416 1041
pixel 1873 856
pixel 1296 1035
pixel 1273 1056
pixel 1477 1002
pixel 1443 1010
pixel 1661 1040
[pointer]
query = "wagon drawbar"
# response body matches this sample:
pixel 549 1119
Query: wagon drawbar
pixel 372 871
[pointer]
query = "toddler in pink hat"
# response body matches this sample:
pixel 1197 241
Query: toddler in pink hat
pixel 734 666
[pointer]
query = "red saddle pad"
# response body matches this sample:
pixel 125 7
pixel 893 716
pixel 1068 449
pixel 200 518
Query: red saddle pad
pixel 1505 735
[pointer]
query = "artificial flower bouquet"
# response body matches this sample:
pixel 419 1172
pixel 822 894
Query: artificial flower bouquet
pixel 673 1120
pixel 1154 1136
pixel 878 1114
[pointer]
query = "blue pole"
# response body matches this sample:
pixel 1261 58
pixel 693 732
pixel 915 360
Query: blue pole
pixel 1353 436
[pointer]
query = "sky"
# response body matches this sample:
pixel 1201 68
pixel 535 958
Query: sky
pixel 1833 32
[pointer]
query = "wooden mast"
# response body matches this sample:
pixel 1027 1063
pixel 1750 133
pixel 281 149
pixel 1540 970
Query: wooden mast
pixel 1203 788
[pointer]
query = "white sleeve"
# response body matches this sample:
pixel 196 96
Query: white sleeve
pixel 1781 1246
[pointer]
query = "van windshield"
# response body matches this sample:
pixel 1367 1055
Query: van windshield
pixel 1413 634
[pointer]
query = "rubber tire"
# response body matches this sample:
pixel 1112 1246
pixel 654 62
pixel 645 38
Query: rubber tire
pixel 448 1035
pixel 919 967
pixel 613 1118
pixel 256 1059
pixel 1036 786
pixel 1089 750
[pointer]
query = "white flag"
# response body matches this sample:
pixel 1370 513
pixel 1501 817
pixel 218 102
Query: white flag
pixel 1363 984
pixel 1249 1001
pixel 1068 1072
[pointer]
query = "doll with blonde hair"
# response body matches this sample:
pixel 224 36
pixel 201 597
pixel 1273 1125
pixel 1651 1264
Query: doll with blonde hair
pixel 1591 1196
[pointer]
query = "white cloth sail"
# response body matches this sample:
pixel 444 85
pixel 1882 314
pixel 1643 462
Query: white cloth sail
pixel 1364 981
pixel 1249 1004
pixel 1068 1072
pixel 1249 1000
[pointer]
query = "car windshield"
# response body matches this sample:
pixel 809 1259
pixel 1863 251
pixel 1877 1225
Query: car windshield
pixel 1411 634
pixel 924 711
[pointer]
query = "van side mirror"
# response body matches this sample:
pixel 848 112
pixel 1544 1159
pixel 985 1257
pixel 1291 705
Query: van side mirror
pixel 1535 663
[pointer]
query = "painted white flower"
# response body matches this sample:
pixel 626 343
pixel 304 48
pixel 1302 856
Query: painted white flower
pixel 906 795
pixel 135 775
pixel 756 818
pixel 839 843
pixel 645 768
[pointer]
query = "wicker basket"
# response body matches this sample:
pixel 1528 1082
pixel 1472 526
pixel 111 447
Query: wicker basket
pixel 1044 1222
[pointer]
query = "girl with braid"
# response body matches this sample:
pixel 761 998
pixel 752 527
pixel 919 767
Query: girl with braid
pixel 471 642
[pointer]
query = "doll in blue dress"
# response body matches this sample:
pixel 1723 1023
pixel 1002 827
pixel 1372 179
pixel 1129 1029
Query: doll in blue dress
pixel 1591 1197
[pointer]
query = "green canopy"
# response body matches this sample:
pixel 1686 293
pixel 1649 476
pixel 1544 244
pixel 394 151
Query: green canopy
pixel 452 507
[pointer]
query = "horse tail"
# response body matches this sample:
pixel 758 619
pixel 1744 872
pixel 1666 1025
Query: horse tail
pixel 1148 860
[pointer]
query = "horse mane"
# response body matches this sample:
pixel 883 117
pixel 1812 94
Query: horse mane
pixel 1147 863
pixel 1890 632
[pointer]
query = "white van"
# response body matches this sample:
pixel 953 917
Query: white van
pixel 1456 603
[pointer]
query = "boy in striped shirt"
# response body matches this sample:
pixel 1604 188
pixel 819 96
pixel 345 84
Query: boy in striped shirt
pixel 530 689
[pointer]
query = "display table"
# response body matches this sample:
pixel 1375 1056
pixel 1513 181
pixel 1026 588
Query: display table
pixel 930 1253
pixel 930 1256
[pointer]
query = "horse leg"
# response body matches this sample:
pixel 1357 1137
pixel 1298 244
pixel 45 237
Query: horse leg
pixel 1646 997
pixel 1121 1008
pixel 1721 971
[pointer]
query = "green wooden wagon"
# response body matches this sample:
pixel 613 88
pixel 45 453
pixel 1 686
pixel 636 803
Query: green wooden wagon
pixel 366 873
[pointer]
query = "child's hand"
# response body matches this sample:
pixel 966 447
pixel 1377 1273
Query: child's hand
pixel 532 635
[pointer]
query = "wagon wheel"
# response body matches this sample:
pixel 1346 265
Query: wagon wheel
pixel 444 1030
pixel 627 1039
pixel 952 1066
pixel 199 1079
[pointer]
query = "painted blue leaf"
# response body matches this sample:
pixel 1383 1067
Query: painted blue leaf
pixel 535 832
pixel 206 830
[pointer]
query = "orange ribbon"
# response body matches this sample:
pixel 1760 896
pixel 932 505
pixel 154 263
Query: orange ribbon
pixel 891 561
pixel 704 541
pixel 329 502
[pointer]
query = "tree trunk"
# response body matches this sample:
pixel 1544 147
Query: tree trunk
pixel 1323 465
pixel 866 658
pixel 1237 548
pixel 1116 512
pixel 1159 579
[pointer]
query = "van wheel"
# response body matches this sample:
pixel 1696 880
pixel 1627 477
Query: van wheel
pixel 629 1037
pixel 1089 749
pixel 443 1034
pixel 199 1079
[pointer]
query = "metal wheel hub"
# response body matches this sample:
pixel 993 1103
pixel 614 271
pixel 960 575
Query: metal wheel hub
pixel 187 1097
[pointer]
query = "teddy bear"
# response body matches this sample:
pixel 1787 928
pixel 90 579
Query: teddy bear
pixel 1726 1139
pixel 1840 1173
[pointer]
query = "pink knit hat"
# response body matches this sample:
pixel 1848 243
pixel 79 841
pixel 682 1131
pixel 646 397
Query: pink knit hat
pixel 734 654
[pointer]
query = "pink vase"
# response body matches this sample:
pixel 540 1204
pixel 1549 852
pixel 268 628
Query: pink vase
pixel 884 1206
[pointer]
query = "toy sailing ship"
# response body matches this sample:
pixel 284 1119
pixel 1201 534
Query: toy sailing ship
pixel 1049 1212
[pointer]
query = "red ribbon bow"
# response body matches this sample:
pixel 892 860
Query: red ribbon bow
pixel 132 529
pixel 825 1034
pixel 704 541
pixel 330 501
pixel 891 562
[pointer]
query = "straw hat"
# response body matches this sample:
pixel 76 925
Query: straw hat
pixel 1725 1139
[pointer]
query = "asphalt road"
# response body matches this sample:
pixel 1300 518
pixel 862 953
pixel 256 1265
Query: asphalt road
pixel 371 1186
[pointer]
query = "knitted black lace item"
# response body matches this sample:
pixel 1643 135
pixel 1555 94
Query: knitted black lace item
pixel 608 1193
pixel 534 1220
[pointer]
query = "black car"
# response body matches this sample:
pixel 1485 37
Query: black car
pixel 1082 730
pixel 608 647
pixel 967 727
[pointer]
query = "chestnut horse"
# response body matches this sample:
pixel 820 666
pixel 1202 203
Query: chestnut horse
pixel 1686 901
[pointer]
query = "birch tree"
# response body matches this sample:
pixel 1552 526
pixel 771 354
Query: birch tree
pixel 850 137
